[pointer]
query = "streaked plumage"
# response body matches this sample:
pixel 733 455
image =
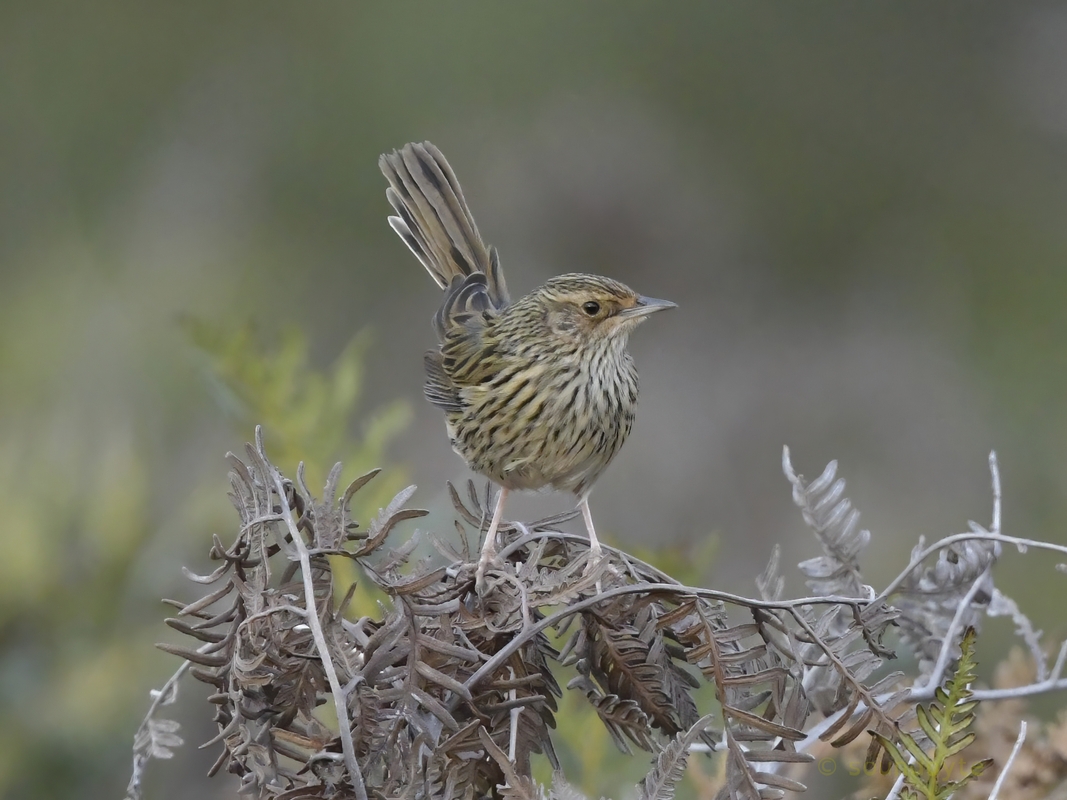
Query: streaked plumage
pixel 536 393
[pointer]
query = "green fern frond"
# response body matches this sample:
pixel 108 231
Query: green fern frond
pixel 306 413
pixel 945 721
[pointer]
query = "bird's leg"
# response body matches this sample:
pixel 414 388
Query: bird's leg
pixel 489 546
pixel 595 551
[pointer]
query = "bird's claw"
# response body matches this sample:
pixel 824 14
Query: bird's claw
pixel 596 555
pixel 480 585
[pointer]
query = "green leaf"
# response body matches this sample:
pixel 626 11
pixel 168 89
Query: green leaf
pixel 959 745
pixel 921 758
pixel 945 723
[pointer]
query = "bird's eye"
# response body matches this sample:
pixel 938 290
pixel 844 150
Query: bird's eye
pixel 592 308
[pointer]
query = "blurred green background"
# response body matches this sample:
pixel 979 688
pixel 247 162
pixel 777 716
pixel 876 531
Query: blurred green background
pixel 861 210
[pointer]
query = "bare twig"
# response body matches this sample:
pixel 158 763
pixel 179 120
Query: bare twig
pixel 949 643
pixel 160 697
pixel 894 791
pixel 994 474
pixel 339 701
pixel 1011 759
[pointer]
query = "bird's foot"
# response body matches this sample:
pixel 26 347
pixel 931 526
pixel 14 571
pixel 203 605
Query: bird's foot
pixel 480 585
pixel 596 556
pixel 596 552
pixel 598 564
pixel 593 561
pixel 489 545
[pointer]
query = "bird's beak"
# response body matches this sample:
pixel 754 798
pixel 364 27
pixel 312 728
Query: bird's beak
pixel 646 306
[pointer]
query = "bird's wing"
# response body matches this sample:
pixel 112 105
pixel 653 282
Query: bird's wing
pixel 464 324
pixel 440 389
pixel 467 359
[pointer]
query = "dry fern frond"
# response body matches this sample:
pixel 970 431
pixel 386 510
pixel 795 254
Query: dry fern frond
pixel 441 692
pixel 834 521
pixel 441 682
pixel 445 693
pixel 930 598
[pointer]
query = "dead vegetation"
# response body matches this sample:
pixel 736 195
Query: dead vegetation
pixel 443 693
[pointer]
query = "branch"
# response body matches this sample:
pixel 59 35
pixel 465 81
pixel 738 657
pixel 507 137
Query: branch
pixel 680 590
pixel 1011 759
pixel 950 635
pixel 312 616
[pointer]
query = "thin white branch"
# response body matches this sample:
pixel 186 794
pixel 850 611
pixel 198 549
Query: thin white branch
pixel 994 473
pixel 1061 657
pixel 894 792
pixel 1017 691
pixel 339 699
pixel 513 745
pixel 949 643
pixel 1007 765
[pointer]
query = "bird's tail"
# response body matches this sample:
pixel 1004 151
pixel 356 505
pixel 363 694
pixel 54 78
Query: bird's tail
pixel 434 221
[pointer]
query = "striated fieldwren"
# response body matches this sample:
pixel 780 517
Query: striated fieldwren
pixel 537 393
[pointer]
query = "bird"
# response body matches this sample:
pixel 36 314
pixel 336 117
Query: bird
pixel 538 393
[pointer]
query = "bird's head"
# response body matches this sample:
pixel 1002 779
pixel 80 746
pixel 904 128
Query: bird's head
pixel 591 308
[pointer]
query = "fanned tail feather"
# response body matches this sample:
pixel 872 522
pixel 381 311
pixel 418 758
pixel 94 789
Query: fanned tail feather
pixel 435 223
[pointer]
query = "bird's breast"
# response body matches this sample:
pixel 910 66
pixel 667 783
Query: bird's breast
pixel 554 419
